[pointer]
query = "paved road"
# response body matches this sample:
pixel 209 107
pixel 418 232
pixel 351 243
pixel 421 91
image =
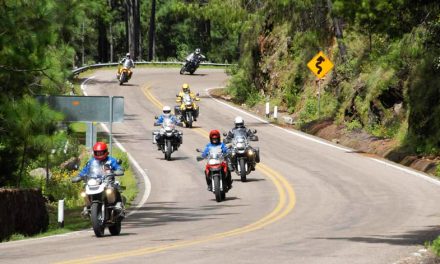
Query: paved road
pixel 308 202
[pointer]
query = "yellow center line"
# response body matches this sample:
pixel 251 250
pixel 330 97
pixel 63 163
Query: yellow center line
pixel 285 205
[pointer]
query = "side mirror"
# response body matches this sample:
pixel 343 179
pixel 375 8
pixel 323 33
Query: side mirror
pixel 225 134
pixel 254 131
pixel 197 94
pixel 177 95
pixel 198 150
pixel 75 167
pixel 155 117
pixel 119 161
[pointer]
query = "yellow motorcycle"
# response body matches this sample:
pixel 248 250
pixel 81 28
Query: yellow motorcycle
pixel 124 74
pixel 188 111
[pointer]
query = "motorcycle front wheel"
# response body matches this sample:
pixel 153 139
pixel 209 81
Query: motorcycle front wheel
pixel 168 151
pixel 182 70
pixel 189 119
pixel 122 78
pixel 217 191
pixel 242 170
pixel 97 219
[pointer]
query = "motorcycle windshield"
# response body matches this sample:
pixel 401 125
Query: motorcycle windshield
pixel 168 124
pixel 216 153
pixel 187 99
pixel 96 169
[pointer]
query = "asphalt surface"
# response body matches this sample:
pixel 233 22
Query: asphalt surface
pixel 309 201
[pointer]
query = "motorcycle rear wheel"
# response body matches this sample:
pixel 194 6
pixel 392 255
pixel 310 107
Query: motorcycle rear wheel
pixel 97 219
pixel 115 229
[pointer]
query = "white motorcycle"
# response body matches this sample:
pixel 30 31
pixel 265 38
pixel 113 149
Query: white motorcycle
pixel 101 195
pixel 169 138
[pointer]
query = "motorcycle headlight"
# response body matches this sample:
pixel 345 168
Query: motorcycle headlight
pixel 250 152
pixel 93 182
pixel 109 191
pixel 83 194
pixel 168 129
pixel 214 162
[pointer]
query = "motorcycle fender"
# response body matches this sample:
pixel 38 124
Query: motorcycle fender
pixel 100 189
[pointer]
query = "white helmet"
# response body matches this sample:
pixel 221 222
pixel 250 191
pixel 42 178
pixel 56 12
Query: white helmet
pixel 239 122
pixel 166 110
pixel 197 51
pixel 128 54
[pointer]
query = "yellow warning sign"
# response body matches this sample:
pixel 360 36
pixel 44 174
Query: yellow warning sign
pixel 320 65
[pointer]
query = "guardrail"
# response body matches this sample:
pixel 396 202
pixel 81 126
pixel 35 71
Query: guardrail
pixel 99 65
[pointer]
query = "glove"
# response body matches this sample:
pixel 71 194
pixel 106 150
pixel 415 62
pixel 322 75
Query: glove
pixel 199 158
pixel 76 179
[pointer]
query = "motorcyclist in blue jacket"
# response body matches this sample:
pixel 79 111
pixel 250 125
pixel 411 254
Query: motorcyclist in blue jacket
pixel 215 142
pixel 101 154
pixel 166 113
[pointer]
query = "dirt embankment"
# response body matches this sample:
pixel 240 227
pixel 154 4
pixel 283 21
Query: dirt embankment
pixel 355 139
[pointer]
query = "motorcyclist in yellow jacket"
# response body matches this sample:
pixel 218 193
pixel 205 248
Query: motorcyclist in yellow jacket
pixel 179 99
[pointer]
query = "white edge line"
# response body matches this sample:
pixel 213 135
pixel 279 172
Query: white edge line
pixel 133 161
pixel 147 181
pixel 423 176
pixel 299 134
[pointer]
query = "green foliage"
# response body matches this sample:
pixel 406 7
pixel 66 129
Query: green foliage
pixel 353 125
pixel 32 127
pixel 435 246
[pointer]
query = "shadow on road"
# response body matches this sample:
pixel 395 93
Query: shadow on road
pixel 125 138
pixel 162 213
pixel 416 237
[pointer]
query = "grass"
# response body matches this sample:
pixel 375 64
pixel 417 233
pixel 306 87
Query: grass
pixel 434 246
pixel 73 221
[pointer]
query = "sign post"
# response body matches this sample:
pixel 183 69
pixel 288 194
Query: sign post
pixel 320 65
pixel 105 109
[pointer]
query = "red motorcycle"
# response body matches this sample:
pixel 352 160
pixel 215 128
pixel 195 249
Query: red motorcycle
pixel 217 171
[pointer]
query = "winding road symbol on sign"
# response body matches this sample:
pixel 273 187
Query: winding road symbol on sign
pixel 320 65
pixel 320 60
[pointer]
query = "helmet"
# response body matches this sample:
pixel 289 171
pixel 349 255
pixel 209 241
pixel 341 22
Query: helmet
pixel 185 88
pixel 197 51
pixel 239 122
pixel 128 55
pixel 214 137
pixel 100 151
pixel 166 110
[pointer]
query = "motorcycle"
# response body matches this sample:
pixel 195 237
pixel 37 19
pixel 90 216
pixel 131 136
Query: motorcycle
pixel 100 195
pixel 187 111
pixel 243 156
pixel 169 138
pixel 190 66
pixel 124 72
pixel 217 170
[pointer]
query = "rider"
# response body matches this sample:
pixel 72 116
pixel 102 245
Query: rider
pixel 128 63
pixel 166 113
pixel 215 142
pixel 240 127
pixel 100 153
pixel 196 55
pixel 186 90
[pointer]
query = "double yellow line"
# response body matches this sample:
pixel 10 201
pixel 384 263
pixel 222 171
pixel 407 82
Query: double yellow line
pixel 285 205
